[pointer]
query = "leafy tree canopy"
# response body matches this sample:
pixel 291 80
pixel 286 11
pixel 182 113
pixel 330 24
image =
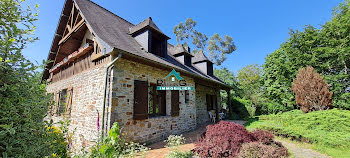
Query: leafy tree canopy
pixel 327 49
pixel 23 99
pixel 228 77
pixel 249 80
pixel 217 47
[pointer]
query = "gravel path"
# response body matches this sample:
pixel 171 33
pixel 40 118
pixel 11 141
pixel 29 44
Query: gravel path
pixel 301 152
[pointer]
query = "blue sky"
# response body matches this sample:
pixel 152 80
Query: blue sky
pixel 257 27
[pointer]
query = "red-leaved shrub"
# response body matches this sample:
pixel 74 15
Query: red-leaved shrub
pixel 225 139
pixel 258 149
pixel 262 136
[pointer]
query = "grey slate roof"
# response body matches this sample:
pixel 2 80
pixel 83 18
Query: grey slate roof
pixel 174 50
pixel 199 56
pixel 147 23
pixel 114 32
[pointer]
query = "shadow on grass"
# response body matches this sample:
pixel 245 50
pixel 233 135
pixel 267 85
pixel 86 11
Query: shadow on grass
pixel 250 120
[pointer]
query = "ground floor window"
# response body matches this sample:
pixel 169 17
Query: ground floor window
pixel 157 101
pixel 63 102
pixel 150 102
pixel 211 102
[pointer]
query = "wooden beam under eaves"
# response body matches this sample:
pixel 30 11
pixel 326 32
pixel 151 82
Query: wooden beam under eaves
pixel 66 16
pixel 74 23
pixel 75 29
pixel 64 55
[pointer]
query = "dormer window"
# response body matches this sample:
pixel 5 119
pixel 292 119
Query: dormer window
pixel 182 54
pixel 158 44
pixel 148 35
pixel 188 60
pixel 201 62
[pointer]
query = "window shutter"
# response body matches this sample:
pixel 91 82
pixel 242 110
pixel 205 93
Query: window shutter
pixel 209 102
pixel 162 105
pixel 69 101
pixel 215 107
pixel 215 103
pixel 55 107
pixel 140 100
pixel 175 109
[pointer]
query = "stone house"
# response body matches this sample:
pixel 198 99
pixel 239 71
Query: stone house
pixel 105 69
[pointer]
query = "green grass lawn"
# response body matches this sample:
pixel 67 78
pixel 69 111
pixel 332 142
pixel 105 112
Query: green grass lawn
pixel 327 131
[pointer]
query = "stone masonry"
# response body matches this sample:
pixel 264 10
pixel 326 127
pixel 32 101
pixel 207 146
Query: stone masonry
pixel 154 128
pixel 87 102
pixel 201 103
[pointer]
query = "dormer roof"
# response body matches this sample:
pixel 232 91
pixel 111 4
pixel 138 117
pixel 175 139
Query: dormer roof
pixel 146 24
pixel 180 49
pixel 199 57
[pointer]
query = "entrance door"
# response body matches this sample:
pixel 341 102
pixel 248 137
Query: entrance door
pixel 212 105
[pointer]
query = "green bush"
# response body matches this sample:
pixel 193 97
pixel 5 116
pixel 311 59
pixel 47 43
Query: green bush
pixel 23 99
pixel 27 136
pixel 179 154
pixel 343 102
pixel 58 143
pixel 272 108
pixel 242 107
pixel 115 146
pixel 324 129
pixel 132 149
pixel 174 141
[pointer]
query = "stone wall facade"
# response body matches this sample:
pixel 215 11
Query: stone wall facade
pixel 87 99
pixel 154 128
pixel 87 103
pixel 201 102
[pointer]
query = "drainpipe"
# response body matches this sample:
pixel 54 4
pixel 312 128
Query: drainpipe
pixel 108 70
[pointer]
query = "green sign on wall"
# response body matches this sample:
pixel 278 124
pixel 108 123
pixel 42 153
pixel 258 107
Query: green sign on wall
pixel 180 85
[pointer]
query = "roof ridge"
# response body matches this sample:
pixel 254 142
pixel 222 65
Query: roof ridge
pixel 143 21
pixel 111 12
pixel 149 19
pixel 203 54
pixel 200 56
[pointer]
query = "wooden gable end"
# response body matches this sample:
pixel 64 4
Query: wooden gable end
pixel 75 47
pixel 72 36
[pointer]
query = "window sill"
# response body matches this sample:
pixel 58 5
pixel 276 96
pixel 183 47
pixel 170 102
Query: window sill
pixel 158 117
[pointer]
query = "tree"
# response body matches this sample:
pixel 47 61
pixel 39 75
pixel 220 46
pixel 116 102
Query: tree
pixel 249 81
pixel 311 91
pixel 327 49
pixel 23 99
pixel 277 79
pixel 217 48
pixel 185 31
pixel 228 77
